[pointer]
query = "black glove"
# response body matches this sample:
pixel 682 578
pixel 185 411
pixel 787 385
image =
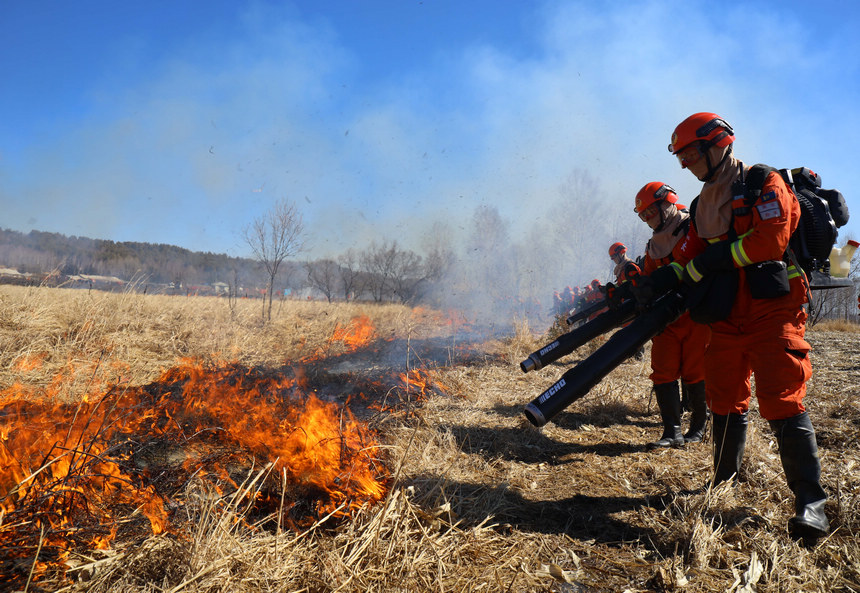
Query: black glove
pixel 715 257
pixel 647 289
pixel 615 295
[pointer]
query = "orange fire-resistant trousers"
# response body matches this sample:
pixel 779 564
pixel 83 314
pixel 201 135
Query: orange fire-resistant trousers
pixel 678 352
pixel 772 348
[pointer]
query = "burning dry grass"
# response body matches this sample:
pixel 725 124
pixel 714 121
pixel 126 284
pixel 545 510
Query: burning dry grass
pixel 476 498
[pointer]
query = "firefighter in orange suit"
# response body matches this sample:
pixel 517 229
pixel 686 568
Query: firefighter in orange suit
pixel 736 250
pixel 593 293
pixel 678 352
pixel 625 271
pixel 625 268
pixel 557 304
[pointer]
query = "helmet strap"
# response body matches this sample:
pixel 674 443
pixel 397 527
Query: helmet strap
pixel 713 168
pixel 659 227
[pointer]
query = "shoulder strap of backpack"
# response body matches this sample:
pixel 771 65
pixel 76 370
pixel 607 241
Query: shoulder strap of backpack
pixel 754 182
pixel 693 205
pixel 682 228
pixel 752 191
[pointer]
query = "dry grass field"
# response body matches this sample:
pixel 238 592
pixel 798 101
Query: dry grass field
pixel 179 444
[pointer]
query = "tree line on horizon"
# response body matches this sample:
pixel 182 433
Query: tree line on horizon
pixel 379 272
pixel 488 274
pixel 478 262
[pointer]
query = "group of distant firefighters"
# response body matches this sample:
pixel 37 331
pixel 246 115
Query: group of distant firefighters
pixel 762 335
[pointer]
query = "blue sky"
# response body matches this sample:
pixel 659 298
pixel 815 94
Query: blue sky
pixel 180 122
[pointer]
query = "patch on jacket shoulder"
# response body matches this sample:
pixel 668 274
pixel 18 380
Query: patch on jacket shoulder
pixel 769 210
pixel 767 197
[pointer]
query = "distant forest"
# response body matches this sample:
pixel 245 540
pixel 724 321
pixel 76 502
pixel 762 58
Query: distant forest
pixel 485 277
pixel 379 272
pixel 40 253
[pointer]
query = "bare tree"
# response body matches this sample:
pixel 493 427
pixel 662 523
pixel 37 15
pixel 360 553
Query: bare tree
pixel 408 275
pixel 323 275
pixel 350 274
pixel 438 267
pixel 377 262
pixel 438 254
pixel 273 237
pixel 392 272
pixel 490 275
pixel 233 292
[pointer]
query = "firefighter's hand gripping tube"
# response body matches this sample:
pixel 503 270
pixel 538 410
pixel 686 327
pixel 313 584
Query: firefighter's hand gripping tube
pixel 567 343
pixel 623 344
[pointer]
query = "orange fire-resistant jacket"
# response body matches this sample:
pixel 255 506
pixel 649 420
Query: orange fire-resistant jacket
pixel 626 270
pixel 678 352
pixel 760 336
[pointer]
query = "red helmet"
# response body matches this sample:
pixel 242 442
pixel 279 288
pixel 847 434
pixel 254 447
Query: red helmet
pixel 706 127
pixel 595 283
pixel 654 192
pixel 617 249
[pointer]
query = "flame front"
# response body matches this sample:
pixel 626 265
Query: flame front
pixel 357 333
pixel 67 469
pixel 419 381
pixel 310 441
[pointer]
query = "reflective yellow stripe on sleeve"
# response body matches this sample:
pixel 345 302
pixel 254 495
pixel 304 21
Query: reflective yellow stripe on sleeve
pixel 739 255
pixel 695 275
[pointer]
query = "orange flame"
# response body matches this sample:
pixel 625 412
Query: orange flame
pixel 357 333
pixel 30 362
pixel 419 382
pixel 69 468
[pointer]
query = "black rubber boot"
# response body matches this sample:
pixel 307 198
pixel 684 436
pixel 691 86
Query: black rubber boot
pixel 798 451
pixel 698 412
pixel 730 437
pixel 669 402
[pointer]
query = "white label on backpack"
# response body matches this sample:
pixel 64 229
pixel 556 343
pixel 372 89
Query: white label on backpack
pixel 769 210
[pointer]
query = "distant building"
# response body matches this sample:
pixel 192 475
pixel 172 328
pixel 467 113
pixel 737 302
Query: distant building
pixel 10 272
pixel 96 281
